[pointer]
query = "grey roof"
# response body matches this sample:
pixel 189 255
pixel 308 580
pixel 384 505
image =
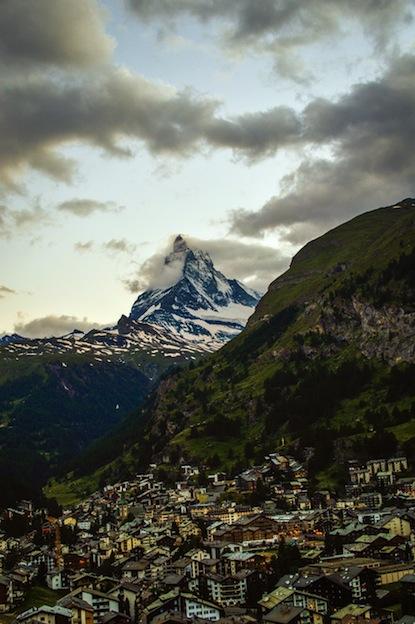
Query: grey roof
pixel 136 565
pixel 346 575
pixel 173 579
pixel 69 601
pixel 108 617
pixel 298 581
pixel 56 610
pixel 282 614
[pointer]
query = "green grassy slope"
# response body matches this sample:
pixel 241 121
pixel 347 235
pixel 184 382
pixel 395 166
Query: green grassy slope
pixel 327 360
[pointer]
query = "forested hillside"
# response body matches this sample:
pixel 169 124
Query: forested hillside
pixel 327 361
pixel 50 410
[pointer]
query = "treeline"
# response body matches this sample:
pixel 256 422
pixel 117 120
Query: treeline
pixel 23 472
pixel 221 427
pixel 394 284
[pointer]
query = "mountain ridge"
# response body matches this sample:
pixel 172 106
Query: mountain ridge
pixel 325 361
pixel 197 313
pixel 200 301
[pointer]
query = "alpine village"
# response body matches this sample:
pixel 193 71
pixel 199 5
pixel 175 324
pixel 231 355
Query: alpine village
pixel 268 474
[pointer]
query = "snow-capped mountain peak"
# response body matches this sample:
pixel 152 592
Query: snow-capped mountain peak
pixel 202 303
pixel 11 339
pixel 179 244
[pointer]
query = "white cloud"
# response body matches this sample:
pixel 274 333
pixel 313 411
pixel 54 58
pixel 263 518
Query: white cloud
pixel 86 207
pixel 155 273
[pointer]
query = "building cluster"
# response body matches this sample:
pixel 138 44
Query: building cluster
pixel 382 472
pixel 258 547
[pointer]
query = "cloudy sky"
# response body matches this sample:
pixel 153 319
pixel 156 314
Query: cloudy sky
pixel 248 126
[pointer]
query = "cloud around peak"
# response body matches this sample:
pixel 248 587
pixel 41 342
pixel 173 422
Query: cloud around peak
pixel 252 263
pixel 155 273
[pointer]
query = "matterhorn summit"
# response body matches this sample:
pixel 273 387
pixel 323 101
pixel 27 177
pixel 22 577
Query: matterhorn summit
pixel 200 304
pixel 179 244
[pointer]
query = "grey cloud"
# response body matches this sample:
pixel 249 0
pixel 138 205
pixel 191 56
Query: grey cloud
pixel 256 135
pixel 119 245
pixel 154 274
pixel 104 110
pixel 324 194
pixel 113 246
pixel 254 264
pixel 53 325
pixel 4 291
pixel 370 131
pixel 280 27
pixel 134 285
pixel 84 247
pixel 86 207
pixel 29 216
pixel 249 17
pixel 99 111
pixel 12 220
pixel 3 216
pixel 60 33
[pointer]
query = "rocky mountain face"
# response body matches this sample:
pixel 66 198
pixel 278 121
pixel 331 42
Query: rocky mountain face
pixel 202 304
pixel 148 347
pixel 386 332
pixel 326 361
